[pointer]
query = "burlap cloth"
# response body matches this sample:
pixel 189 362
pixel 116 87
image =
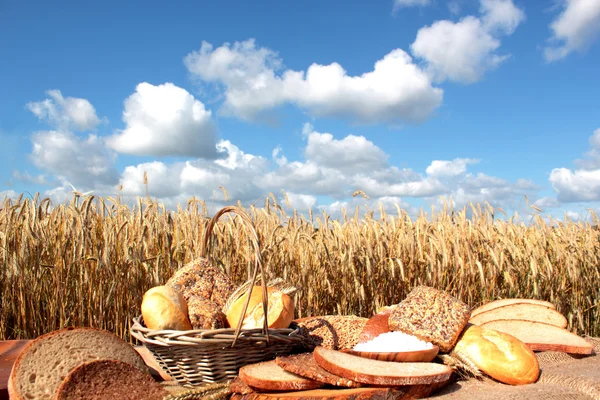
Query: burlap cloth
pixel 563 377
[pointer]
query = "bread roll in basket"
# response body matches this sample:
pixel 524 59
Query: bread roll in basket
pixel 198 356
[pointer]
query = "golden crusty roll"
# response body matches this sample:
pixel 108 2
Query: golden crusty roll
pixel 280 310
pixel 500 355
pixel 165 308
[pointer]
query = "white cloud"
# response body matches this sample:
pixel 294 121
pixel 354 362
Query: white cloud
pixel 591 159
pixel 463 51
pixel 165 120
pixel 441 168
pixel 583 183
pixel 501 16
pixel 396 90
pixel 300 202
pixel 575 29
pixel 410 3
pixel 352 153
pixel 83 162
pixel 26 177
pixel 574 186
pixel 65 113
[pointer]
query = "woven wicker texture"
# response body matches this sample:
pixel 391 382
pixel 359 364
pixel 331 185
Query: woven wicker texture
pixel 202 356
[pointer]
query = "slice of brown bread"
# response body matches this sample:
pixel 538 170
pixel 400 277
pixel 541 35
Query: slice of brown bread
pixel 109 380
pixel 267 376
pixel 504 302
pixel 332 331
pixel 45 361
pixel 539 336
pixel 305 365
pixel 381 373
pixel 523 311
pixel 431 315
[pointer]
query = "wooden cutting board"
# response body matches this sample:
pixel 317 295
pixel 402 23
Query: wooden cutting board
pixel 10 350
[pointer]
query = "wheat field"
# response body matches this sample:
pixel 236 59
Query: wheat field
pixel 88 262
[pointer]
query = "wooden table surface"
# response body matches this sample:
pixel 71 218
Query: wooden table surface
pixel 10 350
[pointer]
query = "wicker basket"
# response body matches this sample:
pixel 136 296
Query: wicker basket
pixel 196 357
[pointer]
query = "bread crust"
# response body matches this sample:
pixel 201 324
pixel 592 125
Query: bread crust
pixel 521 311
pixel 500 355
pixel 304 364
pixel 504 302
pixel 105 379
pixel 262 376
pixel 539 336
pixel 165 308
pixel 381 373
pixel 13 390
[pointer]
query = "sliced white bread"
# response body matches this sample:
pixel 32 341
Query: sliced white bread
pixel 523 311
pixel 505 302
pixel 539 336
pixel 43 364
pixel 109 380
pixel 267 376
pixel 381 373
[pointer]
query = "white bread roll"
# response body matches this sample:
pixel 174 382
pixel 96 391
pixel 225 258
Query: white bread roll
pixel 165 308
pixel 498 354
pixel 280 310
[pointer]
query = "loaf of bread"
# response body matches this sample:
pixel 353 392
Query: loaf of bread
pixel 109 380
pixel 206 289
pixel 280 310
pixel 505 302
pixel 539 336
pixel 41 367
pixel 332 331
pixel 201 278
pixel 165 308
pixel 431 315
pixel 499 355
pixel 205 314
pixel 522 311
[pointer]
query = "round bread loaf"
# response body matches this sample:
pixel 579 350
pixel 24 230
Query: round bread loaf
pixel 280 310
pixel 200 278
pixel 500 355
pixel 165 308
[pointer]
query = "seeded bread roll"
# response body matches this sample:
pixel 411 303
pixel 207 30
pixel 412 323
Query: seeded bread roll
pixel 200 278
pixel 205 314
pixel 431 315
pixel 333 331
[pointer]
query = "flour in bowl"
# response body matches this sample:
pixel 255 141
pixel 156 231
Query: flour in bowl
pixel 393 342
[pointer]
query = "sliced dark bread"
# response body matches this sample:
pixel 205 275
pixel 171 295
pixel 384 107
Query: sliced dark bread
pixel 381 373
pixel 43 364
pixel 505 302
pixel 332 331
pixel 109 380
pixel 305 365
pixel 268 376
pixel 539 336
pixel 522 311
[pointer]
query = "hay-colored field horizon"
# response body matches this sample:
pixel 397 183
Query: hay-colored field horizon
pixel 88 262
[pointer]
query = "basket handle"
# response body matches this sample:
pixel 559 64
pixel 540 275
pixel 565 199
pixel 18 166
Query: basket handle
pixel 258 263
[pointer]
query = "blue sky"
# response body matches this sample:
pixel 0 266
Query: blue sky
pixel 406 100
